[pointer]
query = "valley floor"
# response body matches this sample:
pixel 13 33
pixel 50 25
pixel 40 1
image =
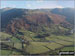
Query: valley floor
pixel 51 46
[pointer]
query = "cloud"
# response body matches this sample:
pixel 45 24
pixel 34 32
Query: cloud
pixel 14 6
pixel 4 6
pixel 40 1
pixel 59 6
pixel 28 5
pixel 50 6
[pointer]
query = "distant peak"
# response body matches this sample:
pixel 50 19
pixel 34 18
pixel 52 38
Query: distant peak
pixel 7 8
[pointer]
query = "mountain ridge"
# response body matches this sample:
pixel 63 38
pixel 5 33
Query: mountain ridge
pixel 23 18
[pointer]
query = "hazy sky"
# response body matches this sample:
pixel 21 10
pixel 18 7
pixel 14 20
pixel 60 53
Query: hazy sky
pixel 38 4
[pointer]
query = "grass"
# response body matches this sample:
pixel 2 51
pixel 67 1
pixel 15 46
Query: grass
pixel 9 52
pixel 34 48
pixel 15 53
pixel 64 40
pixel 18 45
pixel 39 47
pixel 5 52
pixel 28 35
pixel 53 46
pixel 8 43
pixel 67 49
pixel 14 39
pixel 3 36
pixel 40 43
pixel 67 38
pixel 49 45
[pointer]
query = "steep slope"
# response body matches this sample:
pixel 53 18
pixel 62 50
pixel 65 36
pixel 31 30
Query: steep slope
pixel 32 32
pixel 67 12
pixel 8 15
pixel 14 20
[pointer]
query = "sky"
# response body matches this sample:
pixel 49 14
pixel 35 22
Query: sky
pixel 37 4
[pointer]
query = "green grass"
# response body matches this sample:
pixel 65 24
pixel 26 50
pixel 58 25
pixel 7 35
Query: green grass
pixel 59 41
pixel 54 46
pixel 5 52
pixel 16 53
pixel 64 40
pixel 40 43
pixel 35 48
pixel 67 49
pixel 38 47
pixel 3 36
pixel 14 39
pixel 28 35
pixel 8 43
pixel 67 38
pixel 9 52
pixel 51 45
pixel 18 45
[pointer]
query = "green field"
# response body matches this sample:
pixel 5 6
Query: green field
pixel 67 49
pixel 52 44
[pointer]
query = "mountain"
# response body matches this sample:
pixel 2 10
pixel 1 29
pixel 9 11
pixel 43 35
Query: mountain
pixel 36 32
pixel 10 14
pixel 68 12
pixel 12 20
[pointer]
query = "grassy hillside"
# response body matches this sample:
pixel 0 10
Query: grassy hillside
pixel 52 44
pixel 40 31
